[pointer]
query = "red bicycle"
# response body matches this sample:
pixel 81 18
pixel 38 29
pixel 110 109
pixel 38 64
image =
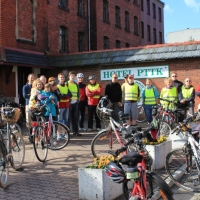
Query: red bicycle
pixel 138 182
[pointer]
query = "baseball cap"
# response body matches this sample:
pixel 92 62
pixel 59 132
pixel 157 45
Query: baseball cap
pixel 126 76
pixel 131 76
pixel 91 77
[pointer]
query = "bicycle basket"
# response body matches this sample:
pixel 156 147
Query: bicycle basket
pixel 38 111
pixel 101 114
pixel 12 119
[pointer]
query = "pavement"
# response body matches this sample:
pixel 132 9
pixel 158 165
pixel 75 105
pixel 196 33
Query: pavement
pixel 57 178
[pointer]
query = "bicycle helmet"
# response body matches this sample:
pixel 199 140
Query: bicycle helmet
pixel 115 172
pixel 91 77
pixel 80 75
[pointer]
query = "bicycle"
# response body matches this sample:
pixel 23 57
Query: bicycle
pixel 138 182
pixel 47 134
pixel 184 162
pixel 110 137
pixel 12 146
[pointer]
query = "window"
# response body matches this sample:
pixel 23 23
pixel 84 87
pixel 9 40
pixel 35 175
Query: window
pixel 135 25
pixel 159 14
pixel 148 7
pixel 142 28
pixel 160 37
pixel 117 17
pixel 105 11
pixel 118 44
pixel 63 39
pixel 81 37
pixel 127 45
pixel 106 42
pixel 127 21
pixel 154 10
pixel 148 33
pixel 142 5
pixel 81 10
pixel 63 4
pixel 154 36
pixel 135 2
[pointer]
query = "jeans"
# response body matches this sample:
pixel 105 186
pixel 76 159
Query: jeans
pixel 81 113
pixel 73 117
pixel 91 111
pixel 63 116
pixel 148 112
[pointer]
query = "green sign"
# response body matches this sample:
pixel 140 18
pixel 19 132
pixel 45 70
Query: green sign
pixel 139 72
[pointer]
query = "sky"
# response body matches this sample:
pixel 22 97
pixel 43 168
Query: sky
pixel 180 15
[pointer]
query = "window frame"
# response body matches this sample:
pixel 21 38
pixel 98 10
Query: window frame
pixel 148 7
pixel 117 17
pixel 127 21
pixel 142 29
pixel 105 11
pixel 136 30
pixel 148 32
pixel 81 41
pixel 159 14
pixel 142 5
pixel 118 44
pixel 154 10
pixel 154 36
pixel 64 47
pixel 106 42
pixel 81 8
pixel 63 4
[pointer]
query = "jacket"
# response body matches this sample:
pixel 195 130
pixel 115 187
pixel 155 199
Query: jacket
pixel 114 92
pixel 93 93
pixel 26 92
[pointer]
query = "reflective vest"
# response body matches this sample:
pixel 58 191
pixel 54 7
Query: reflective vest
pixel 74 90
pixel 149 97
pixel 131 92
pixel 186 92
pixel 169 94
pixel 63 90
pixel 93 88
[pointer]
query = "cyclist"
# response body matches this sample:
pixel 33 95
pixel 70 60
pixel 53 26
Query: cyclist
pixel 82 100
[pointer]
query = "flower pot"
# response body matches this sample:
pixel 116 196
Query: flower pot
pixel 94 184
pixel 159 153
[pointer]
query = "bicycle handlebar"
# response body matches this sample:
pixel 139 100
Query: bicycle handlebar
pixel 170 101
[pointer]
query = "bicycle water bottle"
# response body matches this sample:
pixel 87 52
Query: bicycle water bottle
pixel 155 123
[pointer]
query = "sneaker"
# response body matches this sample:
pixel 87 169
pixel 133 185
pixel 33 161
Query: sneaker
pixel 77 134
pixel 83 129
pixel 59 137
pixel 98 129
pixel 89 129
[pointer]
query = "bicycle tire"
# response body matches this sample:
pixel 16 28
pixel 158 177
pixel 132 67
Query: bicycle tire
pixel 164 129
pixel 4 172
pixel 175 165
pixel 141 114
pixel 159 189
pixel 101 143
pixel 40 144
pixel 17 150
pixel 60 141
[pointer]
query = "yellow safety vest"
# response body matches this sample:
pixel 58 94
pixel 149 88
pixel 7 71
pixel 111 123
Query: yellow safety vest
pixel 93 88
pixel 169 94
pixel 74 90
pixel 186 92
pixel 131 92
pixel 149 97
pixel 63 90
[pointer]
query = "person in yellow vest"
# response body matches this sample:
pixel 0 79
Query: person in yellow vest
pixel 63 103
pixel 169 92
pixel 131 96
pixel 93 91
pixel 74 108
pixel 150 98
pixel 123 86
pixel 187 96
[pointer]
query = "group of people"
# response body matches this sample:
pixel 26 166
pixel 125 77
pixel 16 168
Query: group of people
pixel 67 101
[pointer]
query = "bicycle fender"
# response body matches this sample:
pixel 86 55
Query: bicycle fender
pixel 103 130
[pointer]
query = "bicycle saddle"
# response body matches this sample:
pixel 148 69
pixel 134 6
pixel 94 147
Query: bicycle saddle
pixel 123 116
pixel 132 158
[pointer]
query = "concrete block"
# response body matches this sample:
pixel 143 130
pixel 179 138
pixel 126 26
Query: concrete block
pixel 158 153
pixel 94 184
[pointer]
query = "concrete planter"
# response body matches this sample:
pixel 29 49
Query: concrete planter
pixel 158 153
pixel 94 184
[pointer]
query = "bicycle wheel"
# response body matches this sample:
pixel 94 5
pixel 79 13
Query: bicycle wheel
pixel 141 114
pixel 60 136
pixel 164 129
pixel 103 142
pixel 16 127
pixel 4 172
pixel 182 170
pixel 156 188
pixel 40 144
pixel 17 150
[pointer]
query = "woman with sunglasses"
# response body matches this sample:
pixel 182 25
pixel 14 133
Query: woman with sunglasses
pixel 187 96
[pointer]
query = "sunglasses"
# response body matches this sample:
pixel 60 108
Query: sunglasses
pixel 174 76
pixel 188 81
pixel 115 77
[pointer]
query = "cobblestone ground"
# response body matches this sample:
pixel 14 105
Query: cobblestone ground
pixel 57 178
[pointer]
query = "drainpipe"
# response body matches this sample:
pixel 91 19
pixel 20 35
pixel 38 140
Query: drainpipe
pixel 89 25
